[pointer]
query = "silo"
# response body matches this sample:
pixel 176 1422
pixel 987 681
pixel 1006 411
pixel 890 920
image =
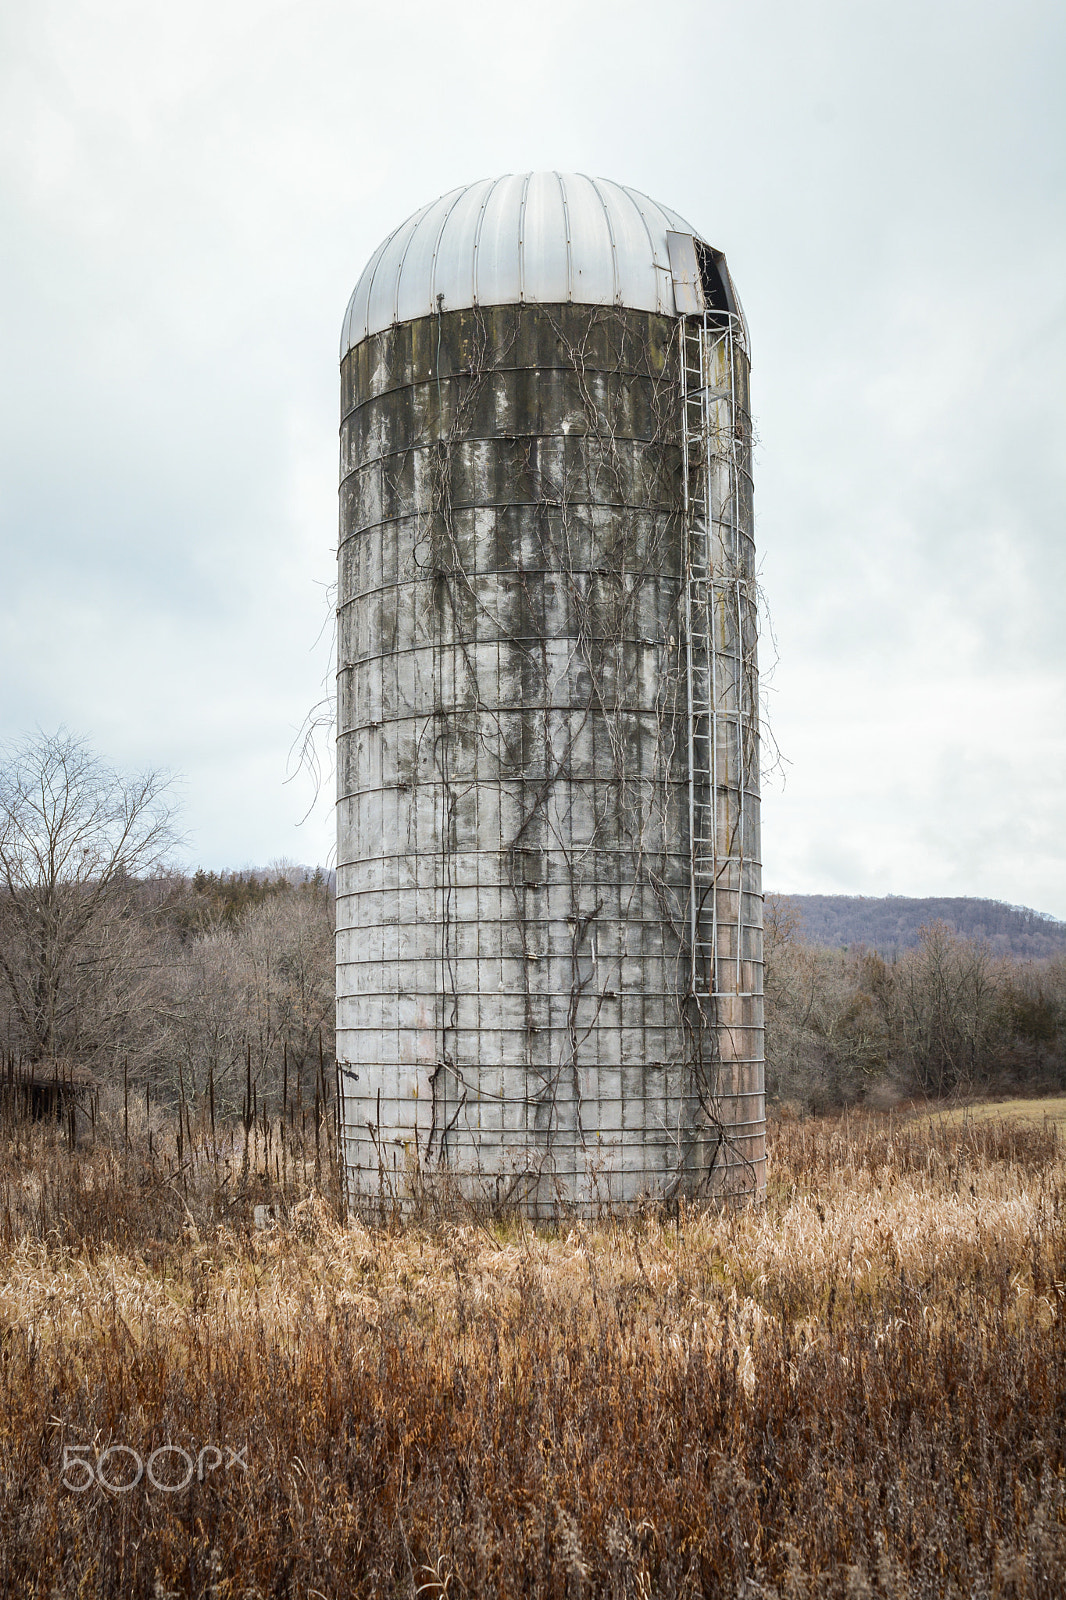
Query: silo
pixel 549 910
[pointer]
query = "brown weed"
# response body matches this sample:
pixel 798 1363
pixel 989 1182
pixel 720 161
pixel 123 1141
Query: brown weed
pixel 858 1389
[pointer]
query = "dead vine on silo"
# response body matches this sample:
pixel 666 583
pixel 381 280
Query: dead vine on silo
pixel 635 541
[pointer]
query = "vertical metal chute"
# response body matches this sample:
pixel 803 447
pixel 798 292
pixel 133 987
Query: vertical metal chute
pixel 721 624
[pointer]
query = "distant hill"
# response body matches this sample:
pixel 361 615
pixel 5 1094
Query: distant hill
pixel 891 923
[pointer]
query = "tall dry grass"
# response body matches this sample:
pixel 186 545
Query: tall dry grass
pixel 858 1389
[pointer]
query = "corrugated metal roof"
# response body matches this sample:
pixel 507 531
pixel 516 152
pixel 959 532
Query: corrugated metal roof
pixel 542 237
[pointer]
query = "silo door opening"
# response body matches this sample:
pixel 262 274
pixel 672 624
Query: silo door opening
pixel 716 291
pixel 701 283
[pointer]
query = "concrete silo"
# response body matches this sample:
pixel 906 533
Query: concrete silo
pixel 549 909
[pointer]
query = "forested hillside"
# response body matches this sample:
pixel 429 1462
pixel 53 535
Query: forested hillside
pixel 891 923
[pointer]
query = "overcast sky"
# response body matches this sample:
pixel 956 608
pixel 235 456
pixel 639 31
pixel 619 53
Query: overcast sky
pixel 187 196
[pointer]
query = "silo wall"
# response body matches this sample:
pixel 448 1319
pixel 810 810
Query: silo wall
pixel 513 877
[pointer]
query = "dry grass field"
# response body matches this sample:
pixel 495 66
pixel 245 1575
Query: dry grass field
pixel 1049 1110
pixel 859 1389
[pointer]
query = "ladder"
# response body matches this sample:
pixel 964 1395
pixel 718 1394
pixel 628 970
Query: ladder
pixel 720 636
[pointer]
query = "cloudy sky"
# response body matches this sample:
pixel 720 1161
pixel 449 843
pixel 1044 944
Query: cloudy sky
pixel 187 195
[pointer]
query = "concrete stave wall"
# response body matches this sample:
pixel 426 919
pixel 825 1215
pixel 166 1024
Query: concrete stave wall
pixel 513 856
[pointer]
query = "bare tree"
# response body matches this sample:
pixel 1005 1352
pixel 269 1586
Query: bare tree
pixel 75 834
pixel 826 1038
pixel 947 999
pixel 257 995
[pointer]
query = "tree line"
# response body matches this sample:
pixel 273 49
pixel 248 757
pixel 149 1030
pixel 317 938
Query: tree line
pixel 210 986
pixel 948 1017
pixel 893 923
pixel 218 988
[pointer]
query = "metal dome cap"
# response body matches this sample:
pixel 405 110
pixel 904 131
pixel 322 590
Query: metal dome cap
pixel 542 238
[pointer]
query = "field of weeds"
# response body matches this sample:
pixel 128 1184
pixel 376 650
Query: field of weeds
pixel 859 1389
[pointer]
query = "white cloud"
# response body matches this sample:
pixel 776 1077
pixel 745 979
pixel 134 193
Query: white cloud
pixel 188 195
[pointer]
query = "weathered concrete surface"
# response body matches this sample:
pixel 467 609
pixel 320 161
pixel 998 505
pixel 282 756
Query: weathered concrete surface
pixel 513 857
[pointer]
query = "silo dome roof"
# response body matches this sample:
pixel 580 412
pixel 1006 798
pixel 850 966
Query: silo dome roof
pixel 540 237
